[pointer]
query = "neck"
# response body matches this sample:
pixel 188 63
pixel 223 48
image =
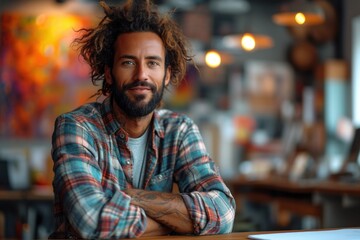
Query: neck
pixel 134 126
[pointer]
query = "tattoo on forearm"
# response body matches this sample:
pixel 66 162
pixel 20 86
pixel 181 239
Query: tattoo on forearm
pixel 161 206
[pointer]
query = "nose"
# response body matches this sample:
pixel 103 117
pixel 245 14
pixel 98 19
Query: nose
pixel 142 73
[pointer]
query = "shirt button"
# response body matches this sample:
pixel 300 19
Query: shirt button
pixel 128 162
pixel 160 177
pixel 122 135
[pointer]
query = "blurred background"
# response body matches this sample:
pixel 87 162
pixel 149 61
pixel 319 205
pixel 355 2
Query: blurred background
pixel 275 94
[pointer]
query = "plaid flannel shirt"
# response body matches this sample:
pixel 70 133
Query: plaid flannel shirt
pixel 92 165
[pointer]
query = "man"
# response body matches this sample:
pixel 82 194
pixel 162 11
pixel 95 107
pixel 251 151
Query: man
pixel 115 162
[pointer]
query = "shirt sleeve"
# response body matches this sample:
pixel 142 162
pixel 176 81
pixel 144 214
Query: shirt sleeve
pixel 210 204
pixel 77 185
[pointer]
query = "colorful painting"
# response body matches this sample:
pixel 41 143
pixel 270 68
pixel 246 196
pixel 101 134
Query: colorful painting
pixel 180 97
pixel 41 75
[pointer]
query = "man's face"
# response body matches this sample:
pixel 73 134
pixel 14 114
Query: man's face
pixel 138 76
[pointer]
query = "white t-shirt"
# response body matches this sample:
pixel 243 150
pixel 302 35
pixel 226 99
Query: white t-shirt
pixel 138 147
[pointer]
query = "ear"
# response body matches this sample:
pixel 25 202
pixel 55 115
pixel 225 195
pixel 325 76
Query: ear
pixel 108 76
pixel 168 75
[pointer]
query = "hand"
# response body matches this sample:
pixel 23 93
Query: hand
pixel 156 229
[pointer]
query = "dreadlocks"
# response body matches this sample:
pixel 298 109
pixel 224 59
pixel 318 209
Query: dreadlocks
pixel 96 44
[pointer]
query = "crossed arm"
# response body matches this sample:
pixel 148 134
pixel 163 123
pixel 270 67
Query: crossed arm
pixel 96 211
pixel 166 211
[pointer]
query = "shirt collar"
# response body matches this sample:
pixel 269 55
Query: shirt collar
pixel 110 122
pixel 159 129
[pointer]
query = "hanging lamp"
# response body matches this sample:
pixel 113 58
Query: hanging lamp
pixel 248 41
pixel 299 13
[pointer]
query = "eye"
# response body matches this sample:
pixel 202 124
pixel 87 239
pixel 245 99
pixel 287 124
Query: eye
pixel 153 64
pixel 128 63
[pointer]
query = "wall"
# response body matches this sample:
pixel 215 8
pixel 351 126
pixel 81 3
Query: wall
pixel 351 11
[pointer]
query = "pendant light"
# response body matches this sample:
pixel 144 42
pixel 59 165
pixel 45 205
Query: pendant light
pixel 248 41
pixel 299 13
pixel 212 59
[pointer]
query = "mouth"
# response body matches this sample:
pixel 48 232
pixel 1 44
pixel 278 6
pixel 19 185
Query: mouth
pixel 140 89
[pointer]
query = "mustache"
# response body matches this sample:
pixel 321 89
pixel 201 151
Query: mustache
pixel 139 84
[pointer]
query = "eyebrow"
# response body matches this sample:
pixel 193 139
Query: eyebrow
pixel 158 58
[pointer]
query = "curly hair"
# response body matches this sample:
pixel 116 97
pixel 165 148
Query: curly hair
pixel 96 44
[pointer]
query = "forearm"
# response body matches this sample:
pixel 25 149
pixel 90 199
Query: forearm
pixel 166 208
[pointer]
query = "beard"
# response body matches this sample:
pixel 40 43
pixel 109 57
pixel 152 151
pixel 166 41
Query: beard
pixel 137 108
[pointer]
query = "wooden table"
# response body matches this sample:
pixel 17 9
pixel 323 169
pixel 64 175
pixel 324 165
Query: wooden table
pixel 25 209
pixel 324 200
pixel 230 236
pixel 299 186
pixel 36 194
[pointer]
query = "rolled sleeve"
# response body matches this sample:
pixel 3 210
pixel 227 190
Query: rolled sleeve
pixel 211 212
